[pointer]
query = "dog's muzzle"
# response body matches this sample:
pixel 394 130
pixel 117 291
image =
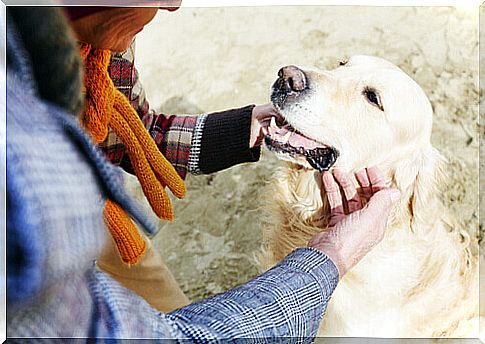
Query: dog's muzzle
pixel 291 82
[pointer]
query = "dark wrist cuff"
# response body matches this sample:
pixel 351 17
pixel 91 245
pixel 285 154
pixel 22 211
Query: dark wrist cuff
pixel 225 140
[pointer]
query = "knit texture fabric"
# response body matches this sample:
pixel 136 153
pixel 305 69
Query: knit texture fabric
pixel 225 140
pixel 179 137
pixel 107 107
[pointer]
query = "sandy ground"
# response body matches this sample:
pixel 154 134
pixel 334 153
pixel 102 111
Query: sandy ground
pixel 203 60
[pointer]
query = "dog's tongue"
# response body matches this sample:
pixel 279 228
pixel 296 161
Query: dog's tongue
pixel 297 140
pixel 288 135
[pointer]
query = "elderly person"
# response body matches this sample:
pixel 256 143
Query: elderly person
pixel 56 180
pixel 194 144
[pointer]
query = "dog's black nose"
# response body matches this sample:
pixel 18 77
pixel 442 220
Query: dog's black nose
pixel 292 78
pixel 291 83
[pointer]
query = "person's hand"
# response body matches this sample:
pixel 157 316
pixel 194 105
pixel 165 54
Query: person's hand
pixel 354 228
pixel 260 119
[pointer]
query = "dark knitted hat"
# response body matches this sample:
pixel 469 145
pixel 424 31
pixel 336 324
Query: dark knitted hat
pixel 76 12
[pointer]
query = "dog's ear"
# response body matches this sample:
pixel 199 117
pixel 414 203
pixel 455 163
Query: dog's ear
pixel 420 180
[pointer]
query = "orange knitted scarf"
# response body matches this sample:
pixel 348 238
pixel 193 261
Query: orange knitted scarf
pixel 106 107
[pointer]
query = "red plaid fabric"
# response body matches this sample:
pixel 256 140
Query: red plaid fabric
pixel 172 134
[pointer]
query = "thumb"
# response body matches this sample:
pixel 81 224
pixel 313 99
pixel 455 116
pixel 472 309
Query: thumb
pixel 382 201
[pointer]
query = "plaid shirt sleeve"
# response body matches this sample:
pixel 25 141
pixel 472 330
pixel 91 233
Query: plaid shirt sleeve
pixel 199 144
pixel 287 301
pixel 172 134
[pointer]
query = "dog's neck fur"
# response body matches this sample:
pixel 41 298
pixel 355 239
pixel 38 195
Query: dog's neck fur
pixel 297 209
pixel 297 199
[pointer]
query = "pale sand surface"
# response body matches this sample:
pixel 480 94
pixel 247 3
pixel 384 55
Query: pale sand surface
pixel 203 60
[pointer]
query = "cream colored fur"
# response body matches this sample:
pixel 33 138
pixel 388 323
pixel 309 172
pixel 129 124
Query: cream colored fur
pixel 422 279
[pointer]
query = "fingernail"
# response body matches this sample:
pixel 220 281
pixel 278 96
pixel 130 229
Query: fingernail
pixel 395 195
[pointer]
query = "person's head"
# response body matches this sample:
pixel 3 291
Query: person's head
pixel 114 28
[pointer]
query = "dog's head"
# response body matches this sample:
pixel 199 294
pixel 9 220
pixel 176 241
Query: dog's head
pixel 352 116
pixel 365 112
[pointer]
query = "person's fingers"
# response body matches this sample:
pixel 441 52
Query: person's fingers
pixel 381 203
pixel 265 112
pixel 375 214
pixel 364 183
pixel 376 179
pixel 351 195
pixel 333 194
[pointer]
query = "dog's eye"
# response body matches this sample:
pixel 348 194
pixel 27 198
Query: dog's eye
pixel 343 62
pixel 373 97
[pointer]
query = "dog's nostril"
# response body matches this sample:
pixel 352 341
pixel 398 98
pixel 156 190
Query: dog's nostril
pixel 294 78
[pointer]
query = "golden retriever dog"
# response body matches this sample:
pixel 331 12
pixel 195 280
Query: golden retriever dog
pixel 422 279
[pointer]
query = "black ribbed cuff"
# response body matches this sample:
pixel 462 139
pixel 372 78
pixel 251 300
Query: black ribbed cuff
pixel 225 140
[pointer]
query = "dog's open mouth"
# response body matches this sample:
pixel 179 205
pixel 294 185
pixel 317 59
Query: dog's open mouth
pixel 282 138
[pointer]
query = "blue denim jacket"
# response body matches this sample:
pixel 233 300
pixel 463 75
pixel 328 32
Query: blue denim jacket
pixel 56 185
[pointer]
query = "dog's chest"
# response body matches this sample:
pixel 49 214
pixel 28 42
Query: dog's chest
pixel 372 299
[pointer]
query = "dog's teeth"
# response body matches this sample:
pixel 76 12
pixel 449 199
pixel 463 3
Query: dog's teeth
pixel 272 122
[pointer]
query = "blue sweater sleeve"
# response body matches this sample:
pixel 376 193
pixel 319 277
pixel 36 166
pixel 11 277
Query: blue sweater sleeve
pixel 287 301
